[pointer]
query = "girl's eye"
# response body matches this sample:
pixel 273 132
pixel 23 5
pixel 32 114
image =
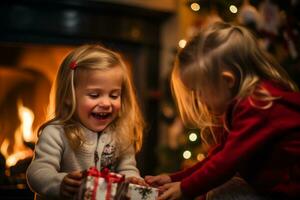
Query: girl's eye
pixel 94 95
pixel 115 96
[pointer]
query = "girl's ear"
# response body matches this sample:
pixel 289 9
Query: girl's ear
pixel 229 78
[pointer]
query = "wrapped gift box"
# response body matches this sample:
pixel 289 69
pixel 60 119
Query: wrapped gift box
pixel 106 185
pixel 99 185
pixel 138 192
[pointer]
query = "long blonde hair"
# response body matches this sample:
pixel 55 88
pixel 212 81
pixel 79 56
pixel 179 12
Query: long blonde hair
pixel 128 125
pixel 203 59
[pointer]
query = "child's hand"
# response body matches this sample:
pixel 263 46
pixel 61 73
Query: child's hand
pixel 70 184
pixel 137 181
pixel 170 191
pixel 158 180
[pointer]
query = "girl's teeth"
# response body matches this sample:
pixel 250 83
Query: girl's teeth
pixel 101 115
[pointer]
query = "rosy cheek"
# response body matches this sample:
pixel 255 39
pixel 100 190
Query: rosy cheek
pixel 118 108
pixel 118 105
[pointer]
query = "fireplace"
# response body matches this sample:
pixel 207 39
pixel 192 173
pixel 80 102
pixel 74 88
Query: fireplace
pixel 35 36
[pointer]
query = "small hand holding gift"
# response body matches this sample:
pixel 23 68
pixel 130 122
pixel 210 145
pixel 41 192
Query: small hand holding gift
pixel 170 191
pixel 70 184
pixel 137 181
pixel 158 180
pixel 99 185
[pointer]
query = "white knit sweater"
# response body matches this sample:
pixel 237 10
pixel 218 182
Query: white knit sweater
pixel 54 158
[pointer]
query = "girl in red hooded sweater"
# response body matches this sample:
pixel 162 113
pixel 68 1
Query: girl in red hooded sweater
pixel 223 81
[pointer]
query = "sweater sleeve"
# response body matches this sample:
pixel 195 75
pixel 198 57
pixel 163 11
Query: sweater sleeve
pixel 127 163
pixel 43 174
pixel 249 132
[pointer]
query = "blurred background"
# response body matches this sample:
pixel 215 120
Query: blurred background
pixel 35 35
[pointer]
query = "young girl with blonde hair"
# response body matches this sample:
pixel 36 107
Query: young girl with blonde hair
pixel 97 122
pixel 247 109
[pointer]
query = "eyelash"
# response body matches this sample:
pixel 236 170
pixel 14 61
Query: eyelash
pixel 94 95
pixel 111 96
pixel 114 96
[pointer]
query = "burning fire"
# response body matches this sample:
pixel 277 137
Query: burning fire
pixel 23 133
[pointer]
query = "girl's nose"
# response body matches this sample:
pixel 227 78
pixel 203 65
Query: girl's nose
pixel 104 102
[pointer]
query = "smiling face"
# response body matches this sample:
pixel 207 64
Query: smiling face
pixel 98 97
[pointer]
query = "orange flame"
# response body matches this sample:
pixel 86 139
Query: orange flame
pixel 23 133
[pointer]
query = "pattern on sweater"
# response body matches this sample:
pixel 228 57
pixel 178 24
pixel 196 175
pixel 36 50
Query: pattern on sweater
pixel 108 158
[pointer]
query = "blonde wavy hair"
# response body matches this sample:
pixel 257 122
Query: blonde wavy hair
pixel 200 64
pixel 129 124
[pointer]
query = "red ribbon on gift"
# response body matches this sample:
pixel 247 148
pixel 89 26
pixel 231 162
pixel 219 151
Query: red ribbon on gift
pixel 109 178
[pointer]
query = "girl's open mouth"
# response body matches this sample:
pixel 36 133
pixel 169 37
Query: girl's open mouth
pixel 101 116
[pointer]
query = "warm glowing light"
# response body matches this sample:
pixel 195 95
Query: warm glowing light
pixel 200 156
pixel 187 154
pixel 182 43
pixel 27 117
pixel 193 137
pixel 14 158
pixel 15 150
pixel 195 6
pixel 233 9
pixel 4 147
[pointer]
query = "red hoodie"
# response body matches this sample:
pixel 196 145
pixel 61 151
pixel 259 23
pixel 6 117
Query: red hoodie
pixel 263 146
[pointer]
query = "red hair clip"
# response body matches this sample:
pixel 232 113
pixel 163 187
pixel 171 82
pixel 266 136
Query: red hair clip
pixel 73 65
